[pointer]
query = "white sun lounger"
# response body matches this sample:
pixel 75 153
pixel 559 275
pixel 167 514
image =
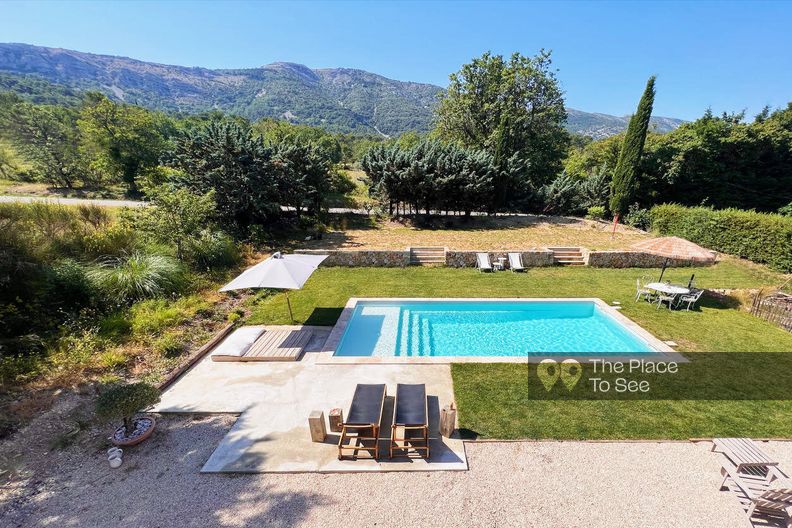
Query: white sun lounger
pixel 515 262
pixel 759 494
pixel 483 262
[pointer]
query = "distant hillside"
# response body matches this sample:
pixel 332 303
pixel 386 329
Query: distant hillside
pixel 600 126
pixel 338 99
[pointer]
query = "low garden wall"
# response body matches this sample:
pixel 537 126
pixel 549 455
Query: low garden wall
pixel 534 258
pixel 633 259
pixel 467 259
pixel 384 258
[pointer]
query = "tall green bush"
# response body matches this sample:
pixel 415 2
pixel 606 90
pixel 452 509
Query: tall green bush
pixel 760 237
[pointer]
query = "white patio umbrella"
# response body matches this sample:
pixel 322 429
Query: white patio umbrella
pixel 287 272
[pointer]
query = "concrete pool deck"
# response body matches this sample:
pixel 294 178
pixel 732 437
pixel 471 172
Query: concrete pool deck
pixel 274 400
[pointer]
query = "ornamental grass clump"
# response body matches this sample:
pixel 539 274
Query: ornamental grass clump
pixel 137 276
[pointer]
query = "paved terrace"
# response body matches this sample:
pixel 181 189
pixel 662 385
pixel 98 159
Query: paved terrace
pixel 274 400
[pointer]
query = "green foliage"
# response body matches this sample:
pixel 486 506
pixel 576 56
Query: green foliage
pixel 114 240
pixel 229 159
pixel 625 177
pixel 137 276
pixel 46 136
pixel 69 284
pixel 123 401
pixel 303 173
pixel 760 237
pixel 595 212
pixel 122 141
pixel 719 161
pixel 154 315
pixel 211 250
pixel 170 345
pixel 508 107
pixel 638 217
pixel 285 133
pixel 176 216
pixel 431 176
pixel 562 196
pixel 786 210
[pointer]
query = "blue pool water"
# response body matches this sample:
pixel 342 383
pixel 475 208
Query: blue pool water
pixel 474 328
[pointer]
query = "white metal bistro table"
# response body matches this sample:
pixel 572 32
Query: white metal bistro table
pixel 670 289
pixel 501 264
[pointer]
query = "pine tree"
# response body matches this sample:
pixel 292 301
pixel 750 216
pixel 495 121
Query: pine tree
pixel 625 177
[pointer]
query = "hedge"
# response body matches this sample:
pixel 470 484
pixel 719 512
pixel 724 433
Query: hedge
pixel 760 237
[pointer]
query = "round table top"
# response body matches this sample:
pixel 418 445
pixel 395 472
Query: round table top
pixel 668 288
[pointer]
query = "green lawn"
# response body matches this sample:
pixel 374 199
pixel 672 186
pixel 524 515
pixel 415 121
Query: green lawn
pixel 493 399
pixel 715 327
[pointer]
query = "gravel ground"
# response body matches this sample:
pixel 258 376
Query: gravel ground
pixel 558 484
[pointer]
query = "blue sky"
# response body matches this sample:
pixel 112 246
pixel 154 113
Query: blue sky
pixel 725 55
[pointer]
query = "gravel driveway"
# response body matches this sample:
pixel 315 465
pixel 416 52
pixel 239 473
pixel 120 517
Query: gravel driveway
pixel 552 484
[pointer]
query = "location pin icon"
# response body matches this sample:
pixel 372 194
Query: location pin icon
pixel 547 371
pixel 571 372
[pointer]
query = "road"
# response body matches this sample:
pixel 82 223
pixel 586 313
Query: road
pixel 101 202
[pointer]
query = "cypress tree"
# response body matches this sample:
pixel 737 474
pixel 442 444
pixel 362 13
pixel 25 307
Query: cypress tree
pixel 625 177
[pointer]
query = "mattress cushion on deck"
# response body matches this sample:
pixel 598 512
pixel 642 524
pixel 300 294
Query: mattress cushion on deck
pixel 238 342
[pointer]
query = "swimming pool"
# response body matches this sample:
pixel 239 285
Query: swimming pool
pixel 482 328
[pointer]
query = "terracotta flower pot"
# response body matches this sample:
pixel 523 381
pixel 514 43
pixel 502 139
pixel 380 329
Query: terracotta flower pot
pixel 144 427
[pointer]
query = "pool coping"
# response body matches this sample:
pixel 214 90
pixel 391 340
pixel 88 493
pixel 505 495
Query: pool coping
pixel 663 352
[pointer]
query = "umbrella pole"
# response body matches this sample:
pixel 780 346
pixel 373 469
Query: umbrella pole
pixel 665 265
pixel 288 303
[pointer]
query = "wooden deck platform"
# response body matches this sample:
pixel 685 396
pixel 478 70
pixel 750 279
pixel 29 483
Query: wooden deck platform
pixel 277 343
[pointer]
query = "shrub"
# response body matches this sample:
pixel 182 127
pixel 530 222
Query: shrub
pixel 112 359
pixel 123 401
pixel 211 249
pixel 760 237
pixel 137 276
pixel 638 217
pixel 69 284
pixel 170 345
pixel 115 326
pixel 113 241
pixel 596 212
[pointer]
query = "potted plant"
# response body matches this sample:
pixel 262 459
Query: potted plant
pixel 123 402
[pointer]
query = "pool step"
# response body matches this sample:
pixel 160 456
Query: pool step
pixel 568 256
pixel 427 256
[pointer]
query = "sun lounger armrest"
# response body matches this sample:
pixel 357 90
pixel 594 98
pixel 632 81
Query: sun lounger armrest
pixel 731 471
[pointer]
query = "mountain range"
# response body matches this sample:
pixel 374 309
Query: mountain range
pixel 338 99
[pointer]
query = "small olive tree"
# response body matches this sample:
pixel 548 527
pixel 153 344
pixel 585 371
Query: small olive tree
pixel 123 401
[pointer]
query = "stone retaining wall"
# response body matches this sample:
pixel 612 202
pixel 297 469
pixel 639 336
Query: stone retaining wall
pixel 467 259
pixel 388 258
pixel 634 259
pixel 384 258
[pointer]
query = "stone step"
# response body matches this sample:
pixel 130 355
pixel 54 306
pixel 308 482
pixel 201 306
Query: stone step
pixel 421 256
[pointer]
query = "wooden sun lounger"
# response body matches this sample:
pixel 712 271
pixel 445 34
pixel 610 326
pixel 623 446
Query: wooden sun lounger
pixel 744 454
pixel 271 345
pixel 365 414
pixel 410 412
pixel 759 494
